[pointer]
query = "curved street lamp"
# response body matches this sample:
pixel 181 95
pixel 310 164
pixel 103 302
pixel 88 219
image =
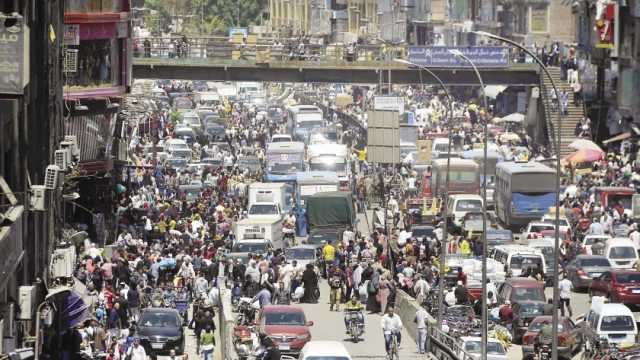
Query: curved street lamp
pixel 445 236
pixel 556 247
pixel 483 343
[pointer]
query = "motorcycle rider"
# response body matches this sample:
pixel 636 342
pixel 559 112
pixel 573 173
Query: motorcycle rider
pixel 289 227
pixel 391 324
pixel 351 308
pixel 271 350
pixel 544 337
pixel 168 295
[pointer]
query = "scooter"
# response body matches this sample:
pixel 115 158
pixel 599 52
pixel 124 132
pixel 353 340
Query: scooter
pixel 245 340
pixel 356 329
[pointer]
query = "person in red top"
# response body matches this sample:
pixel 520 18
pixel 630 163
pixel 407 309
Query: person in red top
pixel 109 296
pixel 506 314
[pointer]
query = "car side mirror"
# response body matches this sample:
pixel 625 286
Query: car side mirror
pixel 309 323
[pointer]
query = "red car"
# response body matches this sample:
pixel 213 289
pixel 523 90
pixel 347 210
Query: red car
pixel 569 337
pixel 287 326
pixel 620 286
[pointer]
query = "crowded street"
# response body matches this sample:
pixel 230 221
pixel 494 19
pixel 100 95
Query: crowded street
pixel 319 180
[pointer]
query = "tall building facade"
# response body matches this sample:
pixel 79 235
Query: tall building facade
pixel 97 73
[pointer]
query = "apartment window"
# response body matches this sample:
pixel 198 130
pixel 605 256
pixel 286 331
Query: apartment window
pixel 539 18
pixel 97 64
pixel 521 18
pixel 93 5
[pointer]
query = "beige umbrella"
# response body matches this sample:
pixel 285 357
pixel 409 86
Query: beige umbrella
pixel 580 144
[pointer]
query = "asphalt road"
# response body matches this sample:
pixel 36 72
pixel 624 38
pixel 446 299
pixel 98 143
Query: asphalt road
pixel 329 325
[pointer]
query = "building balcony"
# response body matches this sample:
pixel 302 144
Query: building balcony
pixel 75 17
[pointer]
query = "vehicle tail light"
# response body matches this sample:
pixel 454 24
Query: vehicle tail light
pixel 562 339
pixel 620 287
pixel 581 273
pixel 528 338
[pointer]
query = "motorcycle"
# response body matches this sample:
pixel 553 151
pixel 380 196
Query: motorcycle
pixel 289 234
pixel 356 329
pixel 246 311
pixel 544 352
pixel 245 340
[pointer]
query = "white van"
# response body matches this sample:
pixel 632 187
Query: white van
pixel 333 350
pixel 621 253
pixel 461 204
pixel 516 257
pixel 439 148
pixel 614 322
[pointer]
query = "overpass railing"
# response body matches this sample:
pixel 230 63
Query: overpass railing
pixel 261 50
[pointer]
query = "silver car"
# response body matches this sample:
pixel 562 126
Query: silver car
pixel 584 268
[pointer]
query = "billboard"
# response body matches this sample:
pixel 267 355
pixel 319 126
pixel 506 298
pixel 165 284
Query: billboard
pixel 14 55
pixel 439 56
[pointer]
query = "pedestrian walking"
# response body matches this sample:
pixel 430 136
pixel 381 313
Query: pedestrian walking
pixel 207 343
pixel 421 326
pixel 565 286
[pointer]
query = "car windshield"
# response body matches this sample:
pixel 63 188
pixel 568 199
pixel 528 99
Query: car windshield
pixel 441 147
pixel 628 278
pixel 492 347
pixel 522 261
pixel 622 252
pixel 469 205
pixel 545 250
pixel 310 124
pixel 422 232
pixel 590 240
pixel 284 318
pixel 595 262
pixel 263 209
pixel 540 228
pixel 563 222
pixel 149 319
pixel 531 309
pixel 250 247
pixel 617 323
pixel 524 294
pixel 300 254
pixel 537 325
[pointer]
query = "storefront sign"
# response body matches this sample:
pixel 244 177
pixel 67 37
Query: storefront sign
pixel 605 26
pixel 13 56
pixel 389 103
pixel 97 31
pixel 71 35
pixel 439 56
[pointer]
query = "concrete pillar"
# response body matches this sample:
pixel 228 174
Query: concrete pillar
pixel 306 16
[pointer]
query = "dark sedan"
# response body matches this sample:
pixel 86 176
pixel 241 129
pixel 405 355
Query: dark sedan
pixel 160 331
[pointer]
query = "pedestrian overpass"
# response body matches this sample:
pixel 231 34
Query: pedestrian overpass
pixel 229 59
pixel 371 72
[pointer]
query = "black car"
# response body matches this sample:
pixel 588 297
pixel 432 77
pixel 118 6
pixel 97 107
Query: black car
pixel 160 331
pixel 523 313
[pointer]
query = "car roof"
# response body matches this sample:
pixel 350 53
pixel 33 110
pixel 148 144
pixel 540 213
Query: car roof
pixel 608 309
pixel 325 348
pixel 477 338
pixel 282 308
pixel 160 310
pixel 547 317
pixel 516 281
pixel 619 241
pixel 580 257
pixel 303 247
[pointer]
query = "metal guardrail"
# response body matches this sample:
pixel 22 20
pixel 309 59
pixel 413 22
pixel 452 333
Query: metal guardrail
pixel 262 50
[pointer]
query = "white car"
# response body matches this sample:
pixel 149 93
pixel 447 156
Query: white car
pixel 551 219
pixel 589 240
pixel 471 346
pixel 535 228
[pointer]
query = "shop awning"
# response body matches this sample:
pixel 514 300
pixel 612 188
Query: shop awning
pixel 619 137
pixel 69 303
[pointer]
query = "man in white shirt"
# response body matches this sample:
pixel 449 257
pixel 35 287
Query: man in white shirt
pixel 391 324
pixel 136 351
pixel 421 325
pixel 565 295
pixel 634 236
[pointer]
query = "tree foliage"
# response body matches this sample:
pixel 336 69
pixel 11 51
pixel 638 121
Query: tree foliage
pixel 203 16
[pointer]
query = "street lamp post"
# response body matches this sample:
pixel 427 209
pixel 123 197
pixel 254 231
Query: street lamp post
pixel 445 237
pixel 556 247
pixel 483 343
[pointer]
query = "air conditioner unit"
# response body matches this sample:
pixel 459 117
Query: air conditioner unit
pixel 38 198
pixel 63 261
pixel 27 302
pixel 63 158
pixel 51 178
pixel 75 148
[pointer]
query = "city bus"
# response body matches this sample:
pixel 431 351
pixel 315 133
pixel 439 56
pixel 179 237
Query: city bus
pixel 303 120
pixel 463 178
pixel 284 161
pixel 523 192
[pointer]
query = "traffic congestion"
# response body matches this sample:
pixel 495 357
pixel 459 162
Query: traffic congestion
pixel 264 190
